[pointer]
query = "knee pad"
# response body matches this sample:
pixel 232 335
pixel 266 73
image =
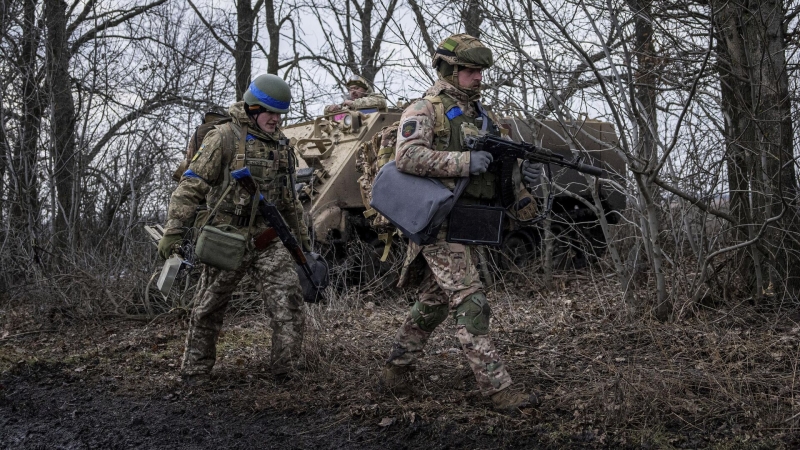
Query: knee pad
pixel 428 317
pixel 474 313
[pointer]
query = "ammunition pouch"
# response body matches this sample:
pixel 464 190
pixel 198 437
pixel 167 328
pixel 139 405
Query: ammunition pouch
pixel 237 220
pixel 221 247
pixel 481 186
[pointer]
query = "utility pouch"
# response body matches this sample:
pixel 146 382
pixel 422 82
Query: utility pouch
pixel 221 247
pixel 476 225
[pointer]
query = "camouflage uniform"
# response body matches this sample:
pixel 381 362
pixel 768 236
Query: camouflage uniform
pixel 373 100
pixel 428 145
pixel 370 100
pixel 208 178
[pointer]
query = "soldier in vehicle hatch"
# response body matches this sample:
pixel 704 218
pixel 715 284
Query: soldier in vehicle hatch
pixel 429 144
pixel 361 97
pixel 252 139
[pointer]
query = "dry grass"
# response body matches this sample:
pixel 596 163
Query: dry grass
pixel 722 379
pixel 609 376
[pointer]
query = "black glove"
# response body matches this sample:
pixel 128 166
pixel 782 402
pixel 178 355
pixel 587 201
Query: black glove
pixel 479 162
pixel 531 173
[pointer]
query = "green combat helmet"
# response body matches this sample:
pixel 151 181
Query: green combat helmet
pixel 268 92
pixel 460 50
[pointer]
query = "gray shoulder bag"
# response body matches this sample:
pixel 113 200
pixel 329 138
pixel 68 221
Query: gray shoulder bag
pixel 417 206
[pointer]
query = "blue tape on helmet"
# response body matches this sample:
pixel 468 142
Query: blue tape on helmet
pixel 266 99
pixel 453 112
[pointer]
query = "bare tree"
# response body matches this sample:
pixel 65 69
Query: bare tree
pixel 759 139
pixel 21 131
pixel 355 41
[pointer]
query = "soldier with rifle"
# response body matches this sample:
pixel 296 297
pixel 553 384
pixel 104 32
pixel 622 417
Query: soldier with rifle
pixel 252 140
pixel 431 142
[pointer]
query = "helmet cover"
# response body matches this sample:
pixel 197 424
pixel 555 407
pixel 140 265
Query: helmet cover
pixel 463 50
pixel 269 92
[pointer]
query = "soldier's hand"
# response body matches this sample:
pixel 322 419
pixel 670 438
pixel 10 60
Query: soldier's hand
pixel 168 244
pixel 531 173
pixel 479 162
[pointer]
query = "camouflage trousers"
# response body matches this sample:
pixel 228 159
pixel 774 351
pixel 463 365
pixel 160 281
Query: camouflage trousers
pixel 450 276
pixel 275 277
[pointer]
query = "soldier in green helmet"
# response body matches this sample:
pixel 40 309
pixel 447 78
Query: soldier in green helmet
pixel 252 139
pixel 429 144
pixel 360 97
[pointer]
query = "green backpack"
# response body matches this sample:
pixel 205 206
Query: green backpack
pixel 372 155
pixel 210 120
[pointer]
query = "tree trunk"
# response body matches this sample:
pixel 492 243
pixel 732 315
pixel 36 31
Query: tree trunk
pixel 645 79
pixel 24 210
pixel 245 18
pixel 472 17
pixel 62 107
pixel 274 33
pixel 372 36
pixel 758 133
pixel 775 135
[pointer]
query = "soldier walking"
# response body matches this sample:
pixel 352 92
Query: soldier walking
pixel 429 144
pixel 251 139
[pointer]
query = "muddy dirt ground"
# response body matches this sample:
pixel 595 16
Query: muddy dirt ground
pixel 606 381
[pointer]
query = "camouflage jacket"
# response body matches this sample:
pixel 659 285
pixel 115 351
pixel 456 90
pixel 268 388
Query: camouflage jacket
pixel 373 100
pixel 416 153
pixel 208 180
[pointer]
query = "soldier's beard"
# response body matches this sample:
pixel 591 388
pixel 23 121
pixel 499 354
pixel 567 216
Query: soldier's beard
pixel 473 91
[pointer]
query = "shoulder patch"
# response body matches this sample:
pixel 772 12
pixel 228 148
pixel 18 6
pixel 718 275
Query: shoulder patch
pixel 198 152
pixel 454 112
pixel 409 127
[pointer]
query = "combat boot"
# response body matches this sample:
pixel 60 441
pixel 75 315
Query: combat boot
pixel 396 379
pixel 195 379
pixel 509 399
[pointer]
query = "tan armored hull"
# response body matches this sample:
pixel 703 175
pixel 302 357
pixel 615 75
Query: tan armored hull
pixel 328 146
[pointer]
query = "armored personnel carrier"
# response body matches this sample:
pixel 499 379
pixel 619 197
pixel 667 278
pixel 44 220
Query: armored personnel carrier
pixel 327 175
pixel 328 150
pixel 579 238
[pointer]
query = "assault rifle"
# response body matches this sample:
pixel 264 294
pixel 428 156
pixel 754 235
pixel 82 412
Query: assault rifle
pixel 505 155
pixel 316 276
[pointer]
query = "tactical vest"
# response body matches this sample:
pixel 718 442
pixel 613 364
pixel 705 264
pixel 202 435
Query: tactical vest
pixel 449 120
pixel 269 163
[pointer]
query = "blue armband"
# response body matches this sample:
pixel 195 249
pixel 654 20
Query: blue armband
pixel 190 174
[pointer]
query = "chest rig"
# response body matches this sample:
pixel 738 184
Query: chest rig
pixel 450 126
pixel 270 165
